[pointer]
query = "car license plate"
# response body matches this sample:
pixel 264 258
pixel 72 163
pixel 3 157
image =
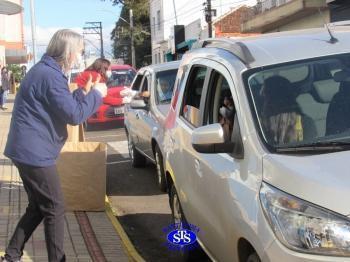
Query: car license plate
pixel 119 110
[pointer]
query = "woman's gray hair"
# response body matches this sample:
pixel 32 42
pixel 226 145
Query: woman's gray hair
pixel 63 45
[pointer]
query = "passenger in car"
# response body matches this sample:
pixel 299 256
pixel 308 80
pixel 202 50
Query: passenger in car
pixel 226 117
pixel 338 113
pixel 164 90
pixel 280 113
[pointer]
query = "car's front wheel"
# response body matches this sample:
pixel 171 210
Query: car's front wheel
pixel 188 254
pixel 160 170
pixel 137 159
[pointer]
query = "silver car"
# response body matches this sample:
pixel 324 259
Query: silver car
pixel 145 115
pixel 257 142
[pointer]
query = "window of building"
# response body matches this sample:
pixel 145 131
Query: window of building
pixel 158 19
pixel 154 25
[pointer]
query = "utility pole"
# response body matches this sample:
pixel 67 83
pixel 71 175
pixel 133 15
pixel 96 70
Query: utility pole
pixel 95 29
pixel 101 37
pixel 175 12
pixel 133 61
pixel 33 25
pixel 208 17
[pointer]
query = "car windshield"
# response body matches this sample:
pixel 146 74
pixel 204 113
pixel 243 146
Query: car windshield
pixel 122 77
pixel 304 103
pixel 164 85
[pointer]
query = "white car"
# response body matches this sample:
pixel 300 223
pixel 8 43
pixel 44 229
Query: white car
pixel 145 115
pixel 257 143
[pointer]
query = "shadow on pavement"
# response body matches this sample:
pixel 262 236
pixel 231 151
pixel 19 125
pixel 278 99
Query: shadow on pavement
pixel 150 244
pixel 124 180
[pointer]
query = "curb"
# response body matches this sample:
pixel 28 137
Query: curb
pixel 129 247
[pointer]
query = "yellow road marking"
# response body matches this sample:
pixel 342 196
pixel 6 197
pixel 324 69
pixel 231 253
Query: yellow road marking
pixel 129 247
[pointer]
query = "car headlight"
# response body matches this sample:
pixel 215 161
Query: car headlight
pixel 305 227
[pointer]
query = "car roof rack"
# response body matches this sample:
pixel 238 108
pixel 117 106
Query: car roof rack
pixel 237 48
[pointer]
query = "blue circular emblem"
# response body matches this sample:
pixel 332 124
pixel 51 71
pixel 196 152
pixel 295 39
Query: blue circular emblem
pixel 182 237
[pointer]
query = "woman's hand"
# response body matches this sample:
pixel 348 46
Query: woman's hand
pixel 89 84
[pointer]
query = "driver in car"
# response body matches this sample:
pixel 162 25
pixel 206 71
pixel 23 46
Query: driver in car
pixel 164 90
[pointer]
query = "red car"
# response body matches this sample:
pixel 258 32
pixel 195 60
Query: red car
pixel 113 108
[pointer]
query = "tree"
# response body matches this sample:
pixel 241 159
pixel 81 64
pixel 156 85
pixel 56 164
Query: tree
pixel 142 37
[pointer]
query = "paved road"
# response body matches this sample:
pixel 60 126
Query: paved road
pixel 142 209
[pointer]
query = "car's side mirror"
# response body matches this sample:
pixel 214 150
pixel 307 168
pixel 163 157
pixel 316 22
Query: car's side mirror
pixel 210 139
pixel 138 104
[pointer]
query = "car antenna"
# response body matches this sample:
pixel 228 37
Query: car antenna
pixel 333 40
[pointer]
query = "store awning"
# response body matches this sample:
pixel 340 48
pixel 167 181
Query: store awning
pixel 186 44
pixel 9 8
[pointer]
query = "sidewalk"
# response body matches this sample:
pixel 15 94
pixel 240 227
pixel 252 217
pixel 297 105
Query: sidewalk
pixel 89 236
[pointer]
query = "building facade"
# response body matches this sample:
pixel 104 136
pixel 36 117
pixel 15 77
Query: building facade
pixel 165 14
pixel 339 10
pixel 283 15
pixel 12 49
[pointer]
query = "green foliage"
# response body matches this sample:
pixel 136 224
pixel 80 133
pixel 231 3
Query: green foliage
pixel 16 72
pixel 142 36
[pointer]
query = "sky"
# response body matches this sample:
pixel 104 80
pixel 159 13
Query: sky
pixel 52 15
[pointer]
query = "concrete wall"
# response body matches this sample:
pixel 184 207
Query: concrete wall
pixel 11 27
pixel 310 21
pixel 11 33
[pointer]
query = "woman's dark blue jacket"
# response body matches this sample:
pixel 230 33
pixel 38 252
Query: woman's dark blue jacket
pixel 43 108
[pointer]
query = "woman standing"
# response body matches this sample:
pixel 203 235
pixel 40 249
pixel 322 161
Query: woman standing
pixel 43 108
pixel 5 87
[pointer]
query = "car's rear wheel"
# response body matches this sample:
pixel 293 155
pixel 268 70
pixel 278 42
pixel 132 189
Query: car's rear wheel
pixel 188 254
pixel 160 170
pixel 137 159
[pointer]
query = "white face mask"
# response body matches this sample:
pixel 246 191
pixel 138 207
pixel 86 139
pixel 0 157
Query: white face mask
pixel 109 73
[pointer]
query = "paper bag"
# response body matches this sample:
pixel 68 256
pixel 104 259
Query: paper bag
pixel 82 170
pixel 75 133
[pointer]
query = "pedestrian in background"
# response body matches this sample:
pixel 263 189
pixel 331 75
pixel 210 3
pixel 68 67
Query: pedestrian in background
pixel 43 107
pixel 5 86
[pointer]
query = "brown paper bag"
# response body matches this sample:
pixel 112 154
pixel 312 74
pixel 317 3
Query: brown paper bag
pixel 75 133
pixel 82 170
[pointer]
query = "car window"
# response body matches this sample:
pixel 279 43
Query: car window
pixel 137 83
pixel 192 96
pixel 121 77
pixel 164 85
pixel 145 84
pixel 293 113
pixel 220 107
